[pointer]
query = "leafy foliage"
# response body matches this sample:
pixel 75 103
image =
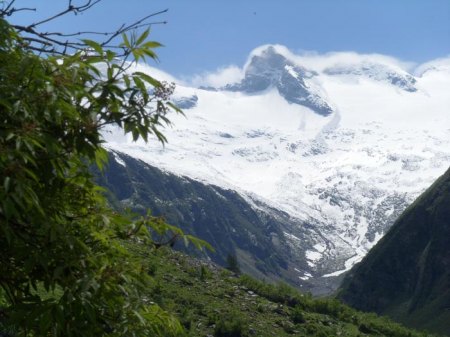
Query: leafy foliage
pixel 64 267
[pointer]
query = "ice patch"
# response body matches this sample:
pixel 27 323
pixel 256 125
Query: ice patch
pixel 118 159
pixel 320 247
pixel 313 256
pixel 291 71
pixel 305 277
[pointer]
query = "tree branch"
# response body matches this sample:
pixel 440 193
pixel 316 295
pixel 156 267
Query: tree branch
pixel 61 43
pixel 70 8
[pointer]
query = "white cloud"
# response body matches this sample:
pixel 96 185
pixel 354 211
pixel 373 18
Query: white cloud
pixel 218 78
pixel 437 64
pixel 311 60
pixel 318 62
pixel 308 59
pixel 154 72
pixel 280 49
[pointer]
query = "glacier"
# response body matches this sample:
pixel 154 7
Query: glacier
pixel 342 142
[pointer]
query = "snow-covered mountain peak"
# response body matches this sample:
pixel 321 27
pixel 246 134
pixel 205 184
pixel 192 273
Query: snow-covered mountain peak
pixel 441 66
pixel 375 71
pixel 267 60
pixel 269 51
pixel 268 68
pixel 372 66
pixel 346 175
pixel 274 59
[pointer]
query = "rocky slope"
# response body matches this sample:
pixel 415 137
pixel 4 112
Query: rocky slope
pixel 407 274
pixel 270 69
pixel 250 229
pixel 211 301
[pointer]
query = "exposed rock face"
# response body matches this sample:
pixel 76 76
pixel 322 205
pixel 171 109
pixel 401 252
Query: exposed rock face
pixel 185 103
pixel 255 233
pixel 271 69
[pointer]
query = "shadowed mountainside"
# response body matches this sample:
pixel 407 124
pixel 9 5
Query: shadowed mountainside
pixel 407 274
pixel 254 233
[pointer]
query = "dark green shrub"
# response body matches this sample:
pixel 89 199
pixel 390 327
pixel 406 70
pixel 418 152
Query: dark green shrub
pixel 327 306
pixel 186 318
pixel 152 267
pixel 297 315
pixel 232 264
pixel 232 325
pixel 288 327
pixel 312 328
pixel 260 308
pixel 364 328
pixel 204 273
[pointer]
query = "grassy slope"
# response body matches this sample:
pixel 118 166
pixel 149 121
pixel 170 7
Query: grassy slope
pixel 211 301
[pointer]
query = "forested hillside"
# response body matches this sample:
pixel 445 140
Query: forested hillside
pixel 407 274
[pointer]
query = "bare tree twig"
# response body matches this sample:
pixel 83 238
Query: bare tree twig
pixel 9 5
pixel 77 33
pixel 70 8
pixel 10 10
pixel 60 43
pixel 169 242
pixel 14 10
pixel 101 33
pixel 124 29
pixel 33 39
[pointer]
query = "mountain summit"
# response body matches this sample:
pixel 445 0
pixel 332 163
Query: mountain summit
pixel 377 72
pixel 272 69
pixel 344 177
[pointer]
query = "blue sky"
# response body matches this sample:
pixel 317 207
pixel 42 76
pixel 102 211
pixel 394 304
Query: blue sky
pixel 201 36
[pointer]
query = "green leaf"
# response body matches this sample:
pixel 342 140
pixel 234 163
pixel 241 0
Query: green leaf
pixel 135 134
pixel 143 36
pixel 176 108
pixel 139 83
pixel 109 73
pixel 6 184
pixel 149 79
pixel 10 136
pixel 152 44
pixel 94 45
pixel 126 79
pixel 150 53
pixel 110 55
pixel 94 59
pixel 126 42
pixel 198 243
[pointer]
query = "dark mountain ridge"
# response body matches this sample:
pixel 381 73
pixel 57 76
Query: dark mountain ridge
pixel 407 274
